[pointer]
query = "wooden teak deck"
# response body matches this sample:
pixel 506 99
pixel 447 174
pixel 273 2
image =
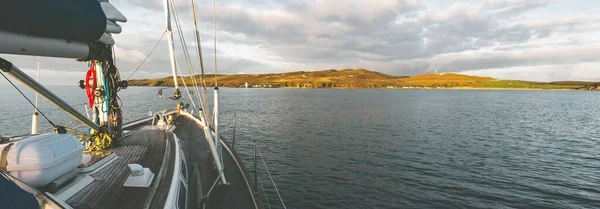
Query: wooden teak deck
pixel 156 150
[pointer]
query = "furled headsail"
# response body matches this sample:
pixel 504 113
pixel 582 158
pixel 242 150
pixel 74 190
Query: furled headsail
pixel 66 28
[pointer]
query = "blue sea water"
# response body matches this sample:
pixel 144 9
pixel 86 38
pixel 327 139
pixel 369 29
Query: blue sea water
pixel 330 148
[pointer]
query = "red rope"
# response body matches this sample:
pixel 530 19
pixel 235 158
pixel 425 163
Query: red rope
pixel 90 76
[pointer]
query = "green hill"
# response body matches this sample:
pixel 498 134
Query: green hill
pixel 591 87
pixel 361 78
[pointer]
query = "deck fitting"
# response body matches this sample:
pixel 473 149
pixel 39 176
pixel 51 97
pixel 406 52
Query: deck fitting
pixel 5 65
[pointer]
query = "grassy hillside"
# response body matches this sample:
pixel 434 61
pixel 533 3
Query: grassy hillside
pixel 361 78
pixel 591 87
pixel 443 80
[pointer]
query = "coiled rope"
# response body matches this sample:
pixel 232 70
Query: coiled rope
pixel 98 141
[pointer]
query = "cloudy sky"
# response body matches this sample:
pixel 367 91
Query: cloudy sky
pixel 539 40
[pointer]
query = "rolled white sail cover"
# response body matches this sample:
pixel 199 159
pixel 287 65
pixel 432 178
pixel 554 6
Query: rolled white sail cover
pixel 56 28
pixel 13 43
pixel 112 13
pixel 79 20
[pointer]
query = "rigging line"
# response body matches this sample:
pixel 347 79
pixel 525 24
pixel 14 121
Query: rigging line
pixel 153 90
pixel 263 191
pixel 186 88
pixel 190 68
pixel 142 104
pixel 185 50
pixel 37 79
pixel 205 105
pixel 11 83
pixel 208 194
pixel 74 131
pixel 184 84
pixel 24 115
pixel 271 177
pixel 72 121
pixel 148 55
pixel 65 126
pixel 157 95
pixel 215 38
pixel 199 54
pixel 10 118
pixel 202 102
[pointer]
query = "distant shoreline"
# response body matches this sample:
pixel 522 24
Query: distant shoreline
pixel 366 79
pixel 509 89
pixel 402 89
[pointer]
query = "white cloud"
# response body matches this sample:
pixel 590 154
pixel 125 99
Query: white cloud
pixel 344 9
pixel 586 71
pixel 400 37
pixel 129 55
pixel 456 10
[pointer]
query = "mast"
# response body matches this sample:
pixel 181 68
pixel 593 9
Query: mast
pixel 177 94
pixel 102 100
